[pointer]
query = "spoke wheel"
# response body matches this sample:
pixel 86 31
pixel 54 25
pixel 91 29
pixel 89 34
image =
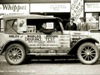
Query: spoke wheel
pixel 88 53
pixel 15 54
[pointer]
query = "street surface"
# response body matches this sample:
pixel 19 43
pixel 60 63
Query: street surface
pixel 48 67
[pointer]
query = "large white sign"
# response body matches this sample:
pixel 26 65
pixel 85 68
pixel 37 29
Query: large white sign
pixel 77 7
pixel 92 7
pixel 50 7
pixel 14 8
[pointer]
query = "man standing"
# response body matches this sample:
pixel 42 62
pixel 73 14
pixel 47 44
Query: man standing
pixel 83 26
pixel 71 25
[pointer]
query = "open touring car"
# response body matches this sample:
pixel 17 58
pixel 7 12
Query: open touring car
pixel 23 35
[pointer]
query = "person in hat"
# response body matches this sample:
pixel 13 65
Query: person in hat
pixel 71 25
pixel 83 26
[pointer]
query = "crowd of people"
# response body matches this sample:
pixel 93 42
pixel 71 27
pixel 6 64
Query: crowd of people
pixel 82 26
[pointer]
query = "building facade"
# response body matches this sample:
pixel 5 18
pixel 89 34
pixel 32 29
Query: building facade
pixel 58 8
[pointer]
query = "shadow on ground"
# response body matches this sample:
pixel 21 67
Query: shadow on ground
pixel 54 60
pixel 51 59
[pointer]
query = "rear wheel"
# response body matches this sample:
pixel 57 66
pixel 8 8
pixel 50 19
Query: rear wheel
pixel 88 53
pixel 15 54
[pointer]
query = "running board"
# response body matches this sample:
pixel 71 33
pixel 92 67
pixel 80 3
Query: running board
pixel 48 54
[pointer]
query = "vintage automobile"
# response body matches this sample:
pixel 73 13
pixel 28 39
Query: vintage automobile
pixel 23 35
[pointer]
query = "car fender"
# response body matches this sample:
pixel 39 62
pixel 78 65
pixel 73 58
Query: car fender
pixel 15 41
pixel 81 41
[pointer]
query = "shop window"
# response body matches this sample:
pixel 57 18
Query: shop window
pixel 93 20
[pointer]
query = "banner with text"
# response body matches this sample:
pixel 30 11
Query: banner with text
pixel 77 9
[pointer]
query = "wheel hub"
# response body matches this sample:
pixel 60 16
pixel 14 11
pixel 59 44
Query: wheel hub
pixel 14 54
pixel 88 52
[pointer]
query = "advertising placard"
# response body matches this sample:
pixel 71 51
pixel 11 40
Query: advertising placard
pixel 21 25
pixel 92 7
pixel 42 41
pixel 45 41
pixel 77 9
pixel 50 7
pixel 14 9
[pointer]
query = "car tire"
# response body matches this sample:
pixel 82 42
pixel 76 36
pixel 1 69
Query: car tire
pixel 15 54
pixel 88 53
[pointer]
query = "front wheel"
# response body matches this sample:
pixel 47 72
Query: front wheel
pixel 88 53
pixel 15 54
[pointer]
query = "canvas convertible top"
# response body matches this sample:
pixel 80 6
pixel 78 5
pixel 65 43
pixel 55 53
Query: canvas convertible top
pixel 30 16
